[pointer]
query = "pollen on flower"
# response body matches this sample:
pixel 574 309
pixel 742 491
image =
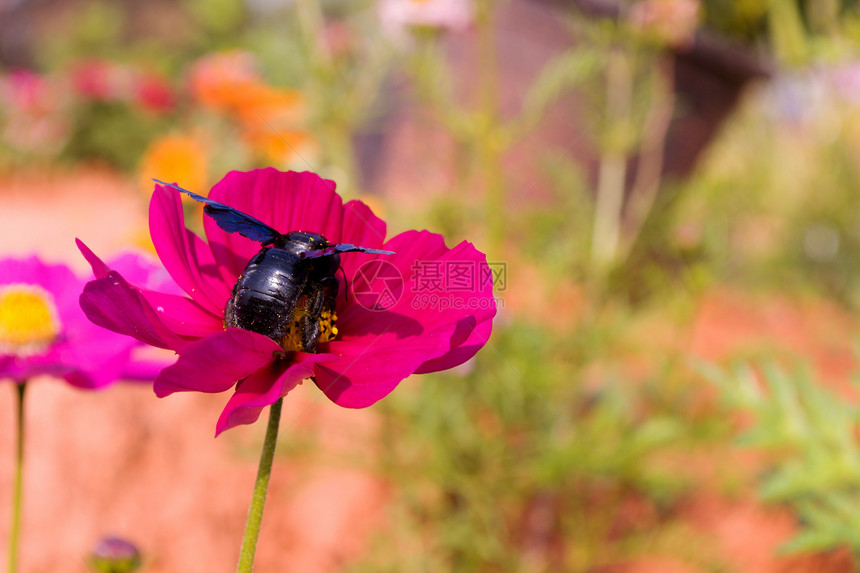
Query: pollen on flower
pixel 329 330
pixel 28 318
pixel 293 340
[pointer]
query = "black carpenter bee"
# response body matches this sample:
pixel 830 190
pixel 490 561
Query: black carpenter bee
pixel 288 290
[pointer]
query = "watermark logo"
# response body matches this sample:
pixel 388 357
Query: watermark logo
pixel 377 285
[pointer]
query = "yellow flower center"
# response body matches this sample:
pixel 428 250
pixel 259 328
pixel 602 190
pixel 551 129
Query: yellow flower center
pixel 28 318
pixel 294 338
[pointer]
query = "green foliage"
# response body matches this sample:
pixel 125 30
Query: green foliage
pixel 557 79
pixel 512 464
pixel 754 20
pixel 98 28
pixel 812 434
pixel 114 133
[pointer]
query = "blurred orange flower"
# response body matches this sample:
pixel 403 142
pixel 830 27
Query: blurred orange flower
pixel 269 118
pixel 229 82
pixel 219 80
pixel 277 147
pixel 174 158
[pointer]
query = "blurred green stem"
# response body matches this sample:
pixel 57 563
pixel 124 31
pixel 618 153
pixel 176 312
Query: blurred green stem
pixel 490 146
pixel 331 115
pixel 787 34
pixel 261 486
pixel 15 529
pixel 650 163
pixel 613 164
pixel 311 20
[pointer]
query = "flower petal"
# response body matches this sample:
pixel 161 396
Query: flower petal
pixel 184 316
pixel 180 314
pixel 264 387
pixel 185 256
pixel 288 202
pixel 217 362
pixel 57 279
pixel 111 302
pixel 427 329
pixel 461 350
pixel 366 372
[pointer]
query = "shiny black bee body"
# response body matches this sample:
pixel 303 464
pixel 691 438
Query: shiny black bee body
pixel 288 290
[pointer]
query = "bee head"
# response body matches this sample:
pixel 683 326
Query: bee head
pixel 299 242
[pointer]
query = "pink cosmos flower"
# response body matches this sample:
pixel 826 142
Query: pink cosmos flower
pixel 396 315
pixel 154 93
pixel 44 332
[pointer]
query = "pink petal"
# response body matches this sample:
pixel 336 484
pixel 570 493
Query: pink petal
pixel 93 358
pixel 143 370
pixel 264 387
pixel 461 350
pixel 286 201
pixel 368 371
pixel 217 362
pixel 184 316
pixel 185 256
pixel 423 332
pixel 180 314
pixel 111 302
pixel 57 279
pixel 100 269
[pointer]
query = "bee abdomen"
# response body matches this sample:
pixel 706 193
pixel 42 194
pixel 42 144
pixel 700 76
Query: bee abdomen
pixel 266 293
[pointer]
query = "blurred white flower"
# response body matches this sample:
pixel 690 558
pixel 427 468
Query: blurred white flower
pixel 400 16
pixel 821 242
pixel 671 21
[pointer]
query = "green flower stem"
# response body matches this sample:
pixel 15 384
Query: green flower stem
pixel 258 499
pixel 15 529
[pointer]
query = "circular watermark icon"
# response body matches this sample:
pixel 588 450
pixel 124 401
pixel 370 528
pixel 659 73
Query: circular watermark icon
pixel 377 285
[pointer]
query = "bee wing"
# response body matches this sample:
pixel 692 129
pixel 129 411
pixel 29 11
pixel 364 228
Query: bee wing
pixel 232 220
pixel 341 248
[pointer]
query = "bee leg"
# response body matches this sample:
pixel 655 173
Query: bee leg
pixel 310 322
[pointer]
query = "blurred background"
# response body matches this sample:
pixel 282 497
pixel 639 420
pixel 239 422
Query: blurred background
pixel 670 185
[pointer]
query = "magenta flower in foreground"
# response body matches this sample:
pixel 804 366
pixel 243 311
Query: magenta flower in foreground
pixel 424 309
pixel 44 332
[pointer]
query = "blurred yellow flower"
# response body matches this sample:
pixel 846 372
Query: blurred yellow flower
pixel 176 158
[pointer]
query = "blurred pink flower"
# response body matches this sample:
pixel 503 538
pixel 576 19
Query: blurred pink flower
pixel 153 93
pixel 384 332
pixel 32 110
pixel 97 80
pixel 103 80
pixel 26 91
pixel 44 332
pixel 844 81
